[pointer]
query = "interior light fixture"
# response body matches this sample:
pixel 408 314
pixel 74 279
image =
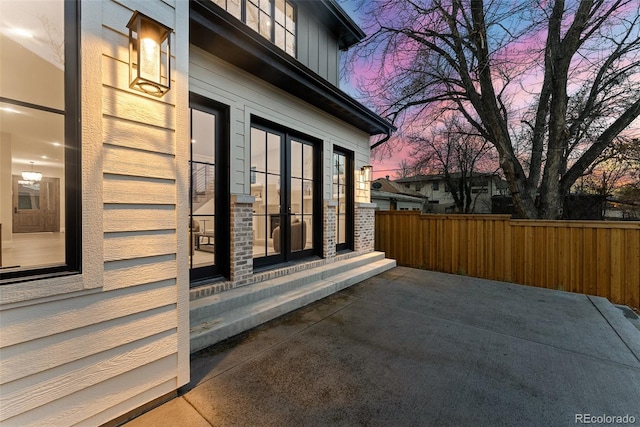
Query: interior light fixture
pixel 31 175
pixel 149 55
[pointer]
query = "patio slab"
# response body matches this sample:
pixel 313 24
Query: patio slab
pixel 413 347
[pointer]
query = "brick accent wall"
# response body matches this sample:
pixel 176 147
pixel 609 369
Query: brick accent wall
pixel 241 221
pixel 329 230
pixel 364 227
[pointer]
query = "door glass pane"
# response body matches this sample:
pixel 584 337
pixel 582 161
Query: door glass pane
pixel 296 159
pixel 307 197
pixel 29 195
pixel 298 233
pixel 307 161
pixel 296 195
pixel 259 236
pixel 274 150
pixel 342 225
pixel 308 220
pixel 273 194
pixel 258 154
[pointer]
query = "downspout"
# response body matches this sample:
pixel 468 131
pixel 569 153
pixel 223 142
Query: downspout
pixel 382 141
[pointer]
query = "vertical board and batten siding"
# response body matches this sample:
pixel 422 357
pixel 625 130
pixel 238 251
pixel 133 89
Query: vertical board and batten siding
pixel 317 47
pixel 596 258
pixel 88 357
pixel 246 96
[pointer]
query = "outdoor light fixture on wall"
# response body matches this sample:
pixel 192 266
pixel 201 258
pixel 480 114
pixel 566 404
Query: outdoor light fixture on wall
pixel 366 172
pixel 363 184
pixel 149 55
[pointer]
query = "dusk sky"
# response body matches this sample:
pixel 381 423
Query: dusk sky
pixel 385 166
pixel 530 78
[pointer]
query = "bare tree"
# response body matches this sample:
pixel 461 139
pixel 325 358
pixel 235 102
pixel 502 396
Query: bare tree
pixel 549 83
pixel 405 169
pixel 454 150
pixel 617 166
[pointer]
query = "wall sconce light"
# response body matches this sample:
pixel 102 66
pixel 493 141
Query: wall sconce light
pixel 366 172
pixel 31 175
pixel 149 43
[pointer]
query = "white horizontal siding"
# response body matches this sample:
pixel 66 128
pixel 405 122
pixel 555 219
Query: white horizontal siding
pixel 55 383
pixel 77 407
pixel 140 271
pixel 220 81
pixel 138 217
pixel 134 107
pixel 41 320
pixel 25 359
pixel 139 244
pixel 90 357
pixel 138 190
pixel 132 162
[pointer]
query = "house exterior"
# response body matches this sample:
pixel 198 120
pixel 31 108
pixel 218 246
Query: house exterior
pixel 435 187
pixel 390 196
pixel 122 210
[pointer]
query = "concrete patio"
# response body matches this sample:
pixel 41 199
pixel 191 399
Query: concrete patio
pixel 416 348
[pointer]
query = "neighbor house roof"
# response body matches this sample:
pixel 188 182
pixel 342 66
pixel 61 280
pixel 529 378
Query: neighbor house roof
pixel 376 194
pixel 440 177
pixel 218 32
pixel 384 185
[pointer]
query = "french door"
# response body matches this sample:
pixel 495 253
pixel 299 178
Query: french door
pixel 285 186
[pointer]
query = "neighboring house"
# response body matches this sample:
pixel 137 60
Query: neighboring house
pixel 126 217
pixel 437 190
pixel 390 196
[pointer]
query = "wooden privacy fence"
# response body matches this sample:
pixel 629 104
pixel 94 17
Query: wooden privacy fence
pixel 596 258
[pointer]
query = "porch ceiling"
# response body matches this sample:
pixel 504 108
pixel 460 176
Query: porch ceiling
pixel 222 35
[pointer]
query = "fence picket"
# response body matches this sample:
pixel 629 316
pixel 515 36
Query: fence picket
pixel 597 258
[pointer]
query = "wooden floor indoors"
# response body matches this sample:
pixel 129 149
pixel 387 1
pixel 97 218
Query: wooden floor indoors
pixel 33 249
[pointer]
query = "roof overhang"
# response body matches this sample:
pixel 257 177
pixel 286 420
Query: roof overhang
pixel 336 19
pixel 219 33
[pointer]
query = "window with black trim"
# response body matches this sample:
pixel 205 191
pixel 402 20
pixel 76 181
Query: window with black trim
pixel 209 188
pixel 343 195
pixel 274 20
pixel 40 139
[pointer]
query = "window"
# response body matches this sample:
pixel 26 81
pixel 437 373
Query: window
pixel 40 144
pixel 275 20
pixel 435 186
pixel 209 188
pixel 418 187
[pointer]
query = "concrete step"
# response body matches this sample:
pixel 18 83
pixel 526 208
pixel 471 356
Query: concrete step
pixel 207 307
pixel 254 310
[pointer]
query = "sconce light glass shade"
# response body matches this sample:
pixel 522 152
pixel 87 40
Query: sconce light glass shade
pixel 367 172
pixel 149 55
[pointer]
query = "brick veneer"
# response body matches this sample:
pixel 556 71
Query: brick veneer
pixel 364 227
pixel 329 233
pixel 241 221
pixel 241 265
